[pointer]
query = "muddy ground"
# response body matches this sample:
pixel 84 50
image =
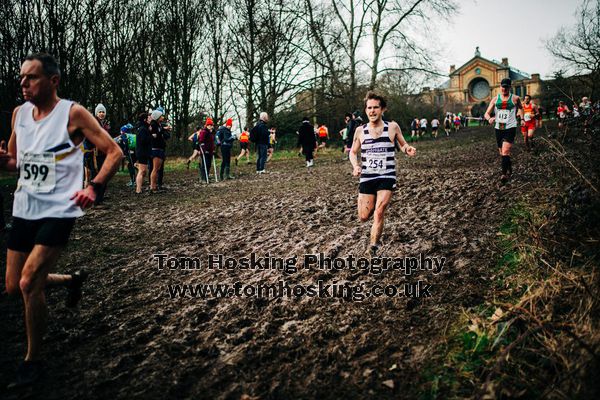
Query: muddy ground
pixel 129 339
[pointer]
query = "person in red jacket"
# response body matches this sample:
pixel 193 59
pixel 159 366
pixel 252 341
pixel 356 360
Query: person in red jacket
pixel 206 142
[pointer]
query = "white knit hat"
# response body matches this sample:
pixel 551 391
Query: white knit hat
pixel 100 108
pixel 156 114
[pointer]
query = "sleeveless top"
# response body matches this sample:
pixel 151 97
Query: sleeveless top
pixel 377 156
pixel 322 132
pixel 528 113
pixel 50 165
pixel 506 113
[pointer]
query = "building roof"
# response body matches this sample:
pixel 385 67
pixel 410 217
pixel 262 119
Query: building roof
pixel 444 85
pixel 514 73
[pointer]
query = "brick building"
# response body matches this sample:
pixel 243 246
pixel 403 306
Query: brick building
pixel 477 81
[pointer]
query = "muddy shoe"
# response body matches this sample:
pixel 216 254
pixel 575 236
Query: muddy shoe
pixel 372 250
pixel 504 178
pixel 28 373
pixel 74 295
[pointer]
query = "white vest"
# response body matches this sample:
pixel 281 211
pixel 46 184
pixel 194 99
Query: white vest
pixel 50 165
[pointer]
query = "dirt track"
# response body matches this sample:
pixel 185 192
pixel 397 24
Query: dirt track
pixel 128 339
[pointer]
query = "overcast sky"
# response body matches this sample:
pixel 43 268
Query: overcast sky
pixel 478 24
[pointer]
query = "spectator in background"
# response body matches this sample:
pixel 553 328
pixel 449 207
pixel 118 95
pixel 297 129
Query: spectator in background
pixel 143 149
pixel 100 112
pixel 307 141
pixel 206 142
pixel 226 139
pixel 158 136
pixel 260 136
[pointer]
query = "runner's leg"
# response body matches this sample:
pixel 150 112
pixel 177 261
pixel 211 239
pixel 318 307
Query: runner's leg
pixel 34 277
pixel 383 199
pixel 366 205
pixel 156 164
pixel 139 180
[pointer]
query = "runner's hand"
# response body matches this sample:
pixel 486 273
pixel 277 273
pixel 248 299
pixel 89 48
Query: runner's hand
pixel 411 151
pixel 356 171
pixel 4 156
pixel 85 198
pixel 491 120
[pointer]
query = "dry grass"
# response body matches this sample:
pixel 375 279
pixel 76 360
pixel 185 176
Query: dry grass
pixel 538 336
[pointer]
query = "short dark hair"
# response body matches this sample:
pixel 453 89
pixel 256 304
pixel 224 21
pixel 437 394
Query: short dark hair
pixel 142 116
pixel 49 63
pixel 349 115
pixel 527 95
pixel 375 96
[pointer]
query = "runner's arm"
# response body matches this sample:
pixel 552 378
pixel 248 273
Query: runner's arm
pixel 519 106
pixel 81 120
pixel 487 114
pixel 397 135
pixel 8 157
pixel 354 151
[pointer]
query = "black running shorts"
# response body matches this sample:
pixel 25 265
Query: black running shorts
pixel 375 185
pixel 25 233
pixel 505 135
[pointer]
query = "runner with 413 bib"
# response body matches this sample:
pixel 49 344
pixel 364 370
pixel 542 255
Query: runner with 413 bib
pixel 377 171
pixel 505 106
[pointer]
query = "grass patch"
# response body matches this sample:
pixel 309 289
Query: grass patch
pixel 537 327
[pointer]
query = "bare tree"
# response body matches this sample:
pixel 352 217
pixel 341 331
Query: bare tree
pixel 578 47
pixel 352 16
pixel 325 47
pixel 245 25
pixel 394 21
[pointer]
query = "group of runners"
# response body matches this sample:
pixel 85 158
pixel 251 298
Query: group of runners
pixel 452 122
pixel 48 134
pixel 584 112
pixel 418 127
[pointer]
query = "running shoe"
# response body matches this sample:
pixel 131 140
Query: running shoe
pixel 28 373
pixel 74 288
pixel 373 250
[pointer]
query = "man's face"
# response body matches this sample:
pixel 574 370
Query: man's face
pixel 35 85
pixel 209 127
pixel 505 90
pixel 101 115
pixel 374 110
pixel 527 99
